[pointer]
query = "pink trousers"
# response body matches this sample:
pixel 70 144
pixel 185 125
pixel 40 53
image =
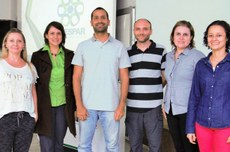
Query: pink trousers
pixel 212 140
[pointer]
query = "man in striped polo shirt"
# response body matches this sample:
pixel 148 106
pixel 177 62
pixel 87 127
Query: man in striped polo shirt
pixel 145 95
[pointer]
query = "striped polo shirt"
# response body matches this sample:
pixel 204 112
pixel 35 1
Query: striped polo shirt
pixel 145 81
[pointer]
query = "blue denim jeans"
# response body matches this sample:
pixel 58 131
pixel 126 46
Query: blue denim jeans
pixel 54 143
pixel 110 130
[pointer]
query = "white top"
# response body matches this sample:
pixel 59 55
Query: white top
pixel 16 88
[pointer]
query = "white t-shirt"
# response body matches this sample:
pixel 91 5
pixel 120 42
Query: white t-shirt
pixel 16 88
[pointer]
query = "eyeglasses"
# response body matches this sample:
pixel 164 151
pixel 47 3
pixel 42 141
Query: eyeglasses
pixel 211 36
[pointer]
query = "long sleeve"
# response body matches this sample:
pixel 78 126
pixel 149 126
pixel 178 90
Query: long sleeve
pixel 194 99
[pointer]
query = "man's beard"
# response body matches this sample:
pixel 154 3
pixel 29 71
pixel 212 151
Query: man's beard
pixel 103 30
pixel 144 40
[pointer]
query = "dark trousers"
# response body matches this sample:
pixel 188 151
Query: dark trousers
pixel 59 126
pixel 149 123
pixel 177 124
pixel 16 132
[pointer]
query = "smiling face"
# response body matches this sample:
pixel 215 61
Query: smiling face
pixel 100 21
pixel 54 37
pixel 182 37
pixel 216 38
pixel 15 43
pixel 142 30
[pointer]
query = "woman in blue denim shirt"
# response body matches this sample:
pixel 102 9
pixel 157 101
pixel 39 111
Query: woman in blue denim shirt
pixel 208 117
pixel 179 69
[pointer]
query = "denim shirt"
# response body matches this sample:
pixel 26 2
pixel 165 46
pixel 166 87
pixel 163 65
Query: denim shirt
pixel 179 74
pixel 209 102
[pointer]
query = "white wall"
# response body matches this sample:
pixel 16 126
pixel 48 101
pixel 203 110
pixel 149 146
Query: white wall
pixel 8 10
pixel 74 15
pixel 165 13
pixel 162 13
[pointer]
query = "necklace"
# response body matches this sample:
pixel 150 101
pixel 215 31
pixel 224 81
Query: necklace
pixel 53 54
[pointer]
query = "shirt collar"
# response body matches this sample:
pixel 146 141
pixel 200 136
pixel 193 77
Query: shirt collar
pixel 227 58
pixel 47 48
pixel 185 52
pixel 110 38
pixel 152 45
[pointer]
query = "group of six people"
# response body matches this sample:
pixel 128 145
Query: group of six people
pixel 102 79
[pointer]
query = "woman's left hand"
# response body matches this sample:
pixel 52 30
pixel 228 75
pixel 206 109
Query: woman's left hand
pixel 228 141
pixel 36 117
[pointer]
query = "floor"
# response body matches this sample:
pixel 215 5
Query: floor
pixel 35 147
pixel 167 145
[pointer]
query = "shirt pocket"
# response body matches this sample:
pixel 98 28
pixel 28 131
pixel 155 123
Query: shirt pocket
pixel 185 71
pixel 205 80
pixel 223 79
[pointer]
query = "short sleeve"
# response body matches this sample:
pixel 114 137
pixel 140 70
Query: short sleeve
pixel 78 58
pixel 34 73
pixel 124 58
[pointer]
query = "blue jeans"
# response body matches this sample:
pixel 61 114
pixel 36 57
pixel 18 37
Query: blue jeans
pixel 110 129
pixel 54 143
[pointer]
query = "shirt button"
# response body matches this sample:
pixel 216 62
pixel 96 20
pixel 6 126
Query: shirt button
pixel 209 118
pixel 212 86
pixel 209 107
pixel 211 97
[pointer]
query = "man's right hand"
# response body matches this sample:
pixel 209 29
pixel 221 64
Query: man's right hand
pixel 82 113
